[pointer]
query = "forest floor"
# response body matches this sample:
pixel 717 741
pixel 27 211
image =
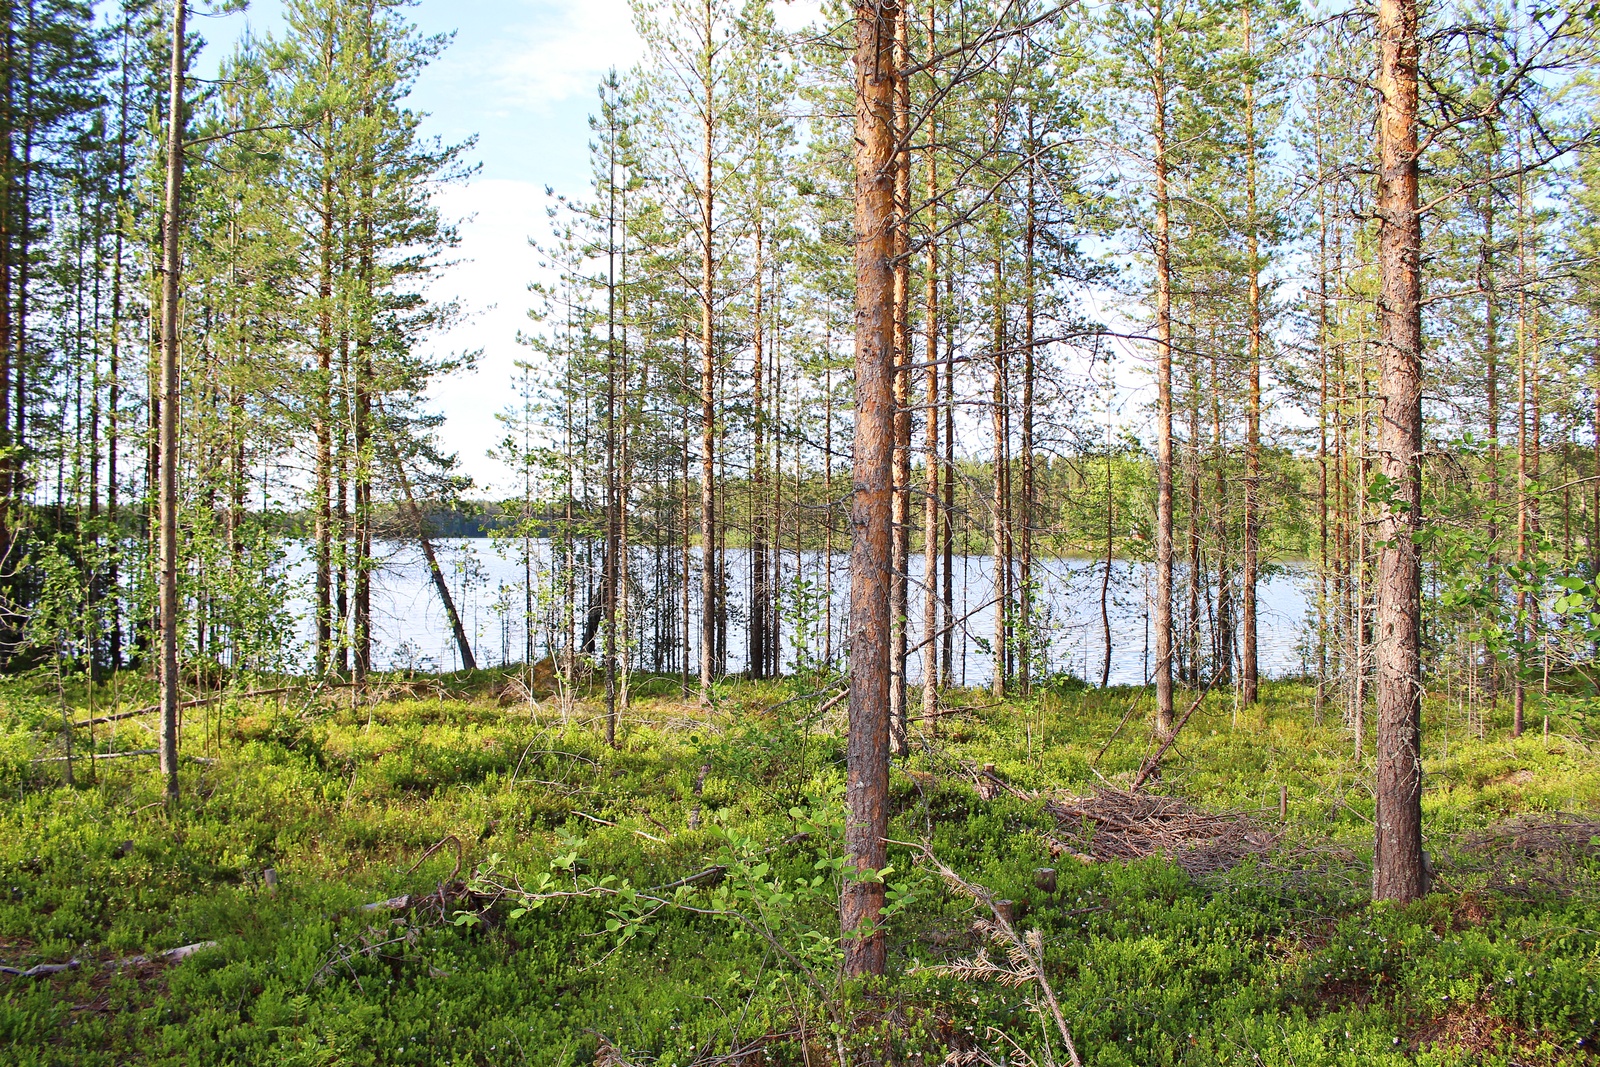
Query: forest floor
pixel 671 901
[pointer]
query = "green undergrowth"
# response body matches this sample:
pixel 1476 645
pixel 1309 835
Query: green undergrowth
pixel 455 782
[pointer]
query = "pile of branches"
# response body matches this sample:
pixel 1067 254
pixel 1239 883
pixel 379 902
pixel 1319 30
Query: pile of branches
pixel 1532 854
pixel 1113 824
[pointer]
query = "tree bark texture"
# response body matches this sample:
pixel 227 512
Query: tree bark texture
pixel 866 794
pixel 1397 872
pixel 1163 265
pixel 900 601
pixel 1249 673
pixel 172 265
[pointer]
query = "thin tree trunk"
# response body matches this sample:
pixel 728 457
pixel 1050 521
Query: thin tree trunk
pixel 1190 663
pixel 172 266
pixel 760 612
pixel 1002 564
pixel 708 394
pixel 324 459
pixel 609 563
pixel 930 503
pixel 1397 872
pixel 899 579
pixel 947 653
pixel 867 778
pixel 8 473
pixel 1163 268
pixel 827 495
pixel 1322 420
pixel 435 572
pixel 1249 674
pixel 1111 510
pixel 1025 589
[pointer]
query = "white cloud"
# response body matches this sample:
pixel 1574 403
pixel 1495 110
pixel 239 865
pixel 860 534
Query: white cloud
pixel 490 279
pixel 560 49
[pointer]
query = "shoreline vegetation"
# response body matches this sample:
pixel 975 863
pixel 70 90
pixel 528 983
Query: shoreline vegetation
pixel 440 869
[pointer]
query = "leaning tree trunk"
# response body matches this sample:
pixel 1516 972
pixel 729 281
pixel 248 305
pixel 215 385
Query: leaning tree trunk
pixel 435 572
pixel 172 265
pixel 867 788
pixel 1397 870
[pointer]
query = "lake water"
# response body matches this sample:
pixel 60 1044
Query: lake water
pixel 486 579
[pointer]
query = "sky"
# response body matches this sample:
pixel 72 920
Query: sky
pixel 520 76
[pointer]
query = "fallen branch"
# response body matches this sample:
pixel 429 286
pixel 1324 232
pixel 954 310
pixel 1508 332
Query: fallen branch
pixel 96 755
pixel 42 970
pixel 151 709
pixel 1024 951
pixel 608 822
pixel 171 955
pixel 1153 764
pixel 1125 717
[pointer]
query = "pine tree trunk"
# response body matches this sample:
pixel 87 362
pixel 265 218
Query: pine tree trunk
pixel 899 577
pixel 867 785
pixel 1398 872
pixel 1025 585
pixel 930 503
pixel 361 620
pixel 1163 269
pixel 435 572
pixel 1002 564
pixel 708 397
pixel 1491 372
pixel 609 562
pixel 322 508
pixel 172 265
pixel 8 474
pixel 1190 663
pixel 760 613
pixel 948 633
pixel 1322 427
pixel 1248 671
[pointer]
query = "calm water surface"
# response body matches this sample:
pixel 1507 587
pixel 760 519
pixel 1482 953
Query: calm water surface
pixel 486 579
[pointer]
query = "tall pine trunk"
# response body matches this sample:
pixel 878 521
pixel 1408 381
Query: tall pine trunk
pixel 708 386
pixel 930 503
pixel 1029 311
pixel 867 758
pixel 899 578
pixel 1249 674
pixel 1163 268
pixel 172 265
pixel 1398 871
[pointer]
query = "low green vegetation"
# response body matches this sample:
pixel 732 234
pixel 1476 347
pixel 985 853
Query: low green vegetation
pixel 458 791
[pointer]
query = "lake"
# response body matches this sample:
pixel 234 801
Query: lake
pixel 486 579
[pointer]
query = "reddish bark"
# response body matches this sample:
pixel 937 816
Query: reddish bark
pixel 1397 872
pixel 866 795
